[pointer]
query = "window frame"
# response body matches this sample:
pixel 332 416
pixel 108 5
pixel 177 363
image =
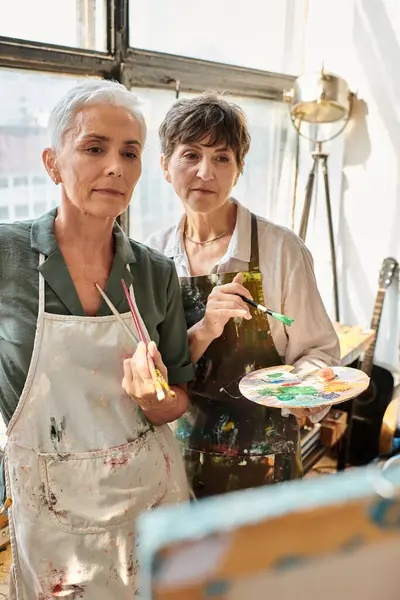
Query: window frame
pixel 142 68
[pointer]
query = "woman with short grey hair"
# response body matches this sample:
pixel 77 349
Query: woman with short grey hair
pixel 89 447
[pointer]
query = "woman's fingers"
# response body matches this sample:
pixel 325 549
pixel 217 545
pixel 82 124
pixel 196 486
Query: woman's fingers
pixel 229 308
pixel 298 412
pixel 231 313
pixel 316 409
pixel 327 374
pixel 154 353
pixel 139 374
pixel 156 358
pixel 224 300
pixel 139 362
pixel 232 288
pixel 128 377
pixel 305 412
pixel 238 278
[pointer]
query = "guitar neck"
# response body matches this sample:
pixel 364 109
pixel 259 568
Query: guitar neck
pixel 376 319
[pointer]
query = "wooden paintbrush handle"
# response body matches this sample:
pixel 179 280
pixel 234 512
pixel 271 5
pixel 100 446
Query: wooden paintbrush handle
pixel 154 375
pixel 165 384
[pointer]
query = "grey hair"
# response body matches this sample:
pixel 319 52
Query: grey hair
pixel 91 91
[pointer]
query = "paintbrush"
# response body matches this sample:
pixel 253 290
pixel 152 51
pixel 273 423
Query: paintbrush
pixel 285 320
pixel 5 506
pixel 120 320
pixel 128 331
pixel 156 375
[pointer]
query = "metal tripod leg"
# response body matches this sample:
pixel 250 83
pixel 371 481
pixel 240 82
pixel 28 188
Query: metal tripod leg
pixel 321 156
pixel 307 200
pixel 331 238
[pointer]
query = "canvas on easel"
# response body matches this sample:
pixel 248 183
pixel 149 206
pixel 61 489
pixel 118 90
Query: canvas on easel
pixel 334 537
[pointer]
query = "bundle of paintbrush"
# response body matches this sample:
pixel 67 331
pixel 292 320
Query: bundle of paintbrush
pixel 160 384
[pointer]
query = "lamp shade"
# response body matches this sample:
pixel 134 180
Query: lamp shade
pixel 319 98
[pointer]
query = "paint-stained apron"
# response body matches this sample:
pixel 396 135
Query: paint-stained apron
pixel 230 443
pixel 82 462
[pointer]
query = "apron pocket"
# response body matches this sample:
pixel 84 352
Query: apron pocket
pixel 92 491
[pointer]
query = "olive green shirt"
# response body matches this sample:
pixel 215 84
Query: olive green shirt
pixel 153 276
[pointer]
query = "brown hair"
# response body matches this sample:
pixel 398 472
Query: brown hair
pixel 208 115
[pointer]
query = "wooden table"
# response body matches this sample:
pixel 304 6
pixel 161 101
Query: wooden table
pixel 354 341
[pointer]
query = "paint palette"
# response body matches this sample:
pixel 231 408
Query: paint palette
pixel 279 387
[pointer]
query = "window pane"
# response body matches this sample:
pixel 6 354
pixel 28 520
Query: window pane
pixel 154 204
pixel 72 23
pixel 261 34
pixel 3 213
pixel 22 211
pixel 26 191
pixel 20 181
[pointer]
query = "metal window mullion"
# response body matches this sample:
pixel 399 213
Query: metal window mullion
pixel 143 68
pixel 20 54
pixel 118 36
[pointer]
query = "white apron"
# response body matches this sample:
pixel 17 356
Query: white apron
pixel 82 462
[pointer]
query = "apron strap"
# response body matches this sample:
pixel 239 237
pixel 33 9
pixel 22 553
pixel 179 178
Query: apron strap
pixel 254 259
pixel 42 297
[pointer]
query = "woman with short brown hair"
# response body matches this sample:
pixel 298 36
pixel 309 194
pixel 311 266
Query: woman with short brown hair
pixel 221 250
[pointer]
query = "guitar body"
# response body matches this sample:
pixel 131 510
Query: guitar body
pixel 389 440
pixel 368 412
pixel 370 407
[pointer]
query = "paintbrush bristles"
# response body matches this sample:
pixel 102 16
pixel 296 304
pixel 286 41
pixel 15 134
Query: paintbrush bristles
pixel 286 320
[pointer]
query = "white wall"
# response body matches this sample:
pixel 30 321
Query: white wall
pixel 359 40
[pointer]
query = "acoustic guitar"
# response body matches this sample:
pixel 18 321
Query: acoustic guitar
pixel 389 439
pixel 370 407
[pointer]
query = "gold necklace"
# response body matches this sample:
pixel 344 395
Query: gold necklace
pixel 207 241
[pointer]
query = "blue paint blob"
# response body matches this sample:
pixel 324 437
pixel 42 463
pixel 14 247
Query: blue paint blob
pixel 386 514
pixel 291 561
pixel 353 543
pixel 216 588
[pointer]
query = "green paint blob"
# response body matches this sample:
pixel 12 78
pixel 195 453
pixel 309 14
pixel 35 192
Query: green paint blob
pixel 288 394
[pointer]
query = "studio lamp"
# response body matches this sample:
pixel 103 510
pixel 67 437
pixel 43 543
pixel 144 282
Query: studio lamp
pixel 318 99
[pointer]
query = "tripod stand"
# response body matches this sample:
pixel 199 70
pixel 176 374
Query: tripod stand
pixel 321 157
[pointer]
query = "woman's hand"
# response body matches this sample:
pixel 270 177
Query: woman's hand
pixel 327 374
pixel 138 382
pixel 224 304
pixel 139 385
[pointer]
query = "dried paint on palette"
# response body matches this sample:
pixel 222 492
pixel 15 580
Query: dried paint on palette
pixel 279 387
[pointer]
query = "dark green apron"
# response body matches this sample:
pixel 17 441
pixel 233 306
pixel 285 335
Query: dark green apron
pixel 229 442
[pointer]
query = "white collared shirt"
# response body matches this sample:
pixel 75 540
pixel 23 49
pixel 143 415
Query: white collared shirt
pixel 289 286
